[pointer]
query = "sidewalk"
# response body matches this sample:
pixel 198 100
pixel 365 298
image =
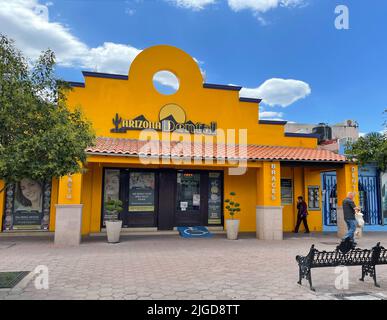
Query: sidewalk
pixel 170 267
pixel 367 228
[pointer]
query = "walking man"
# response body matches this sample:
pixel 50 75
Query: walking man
pixel 350 209
pixel 302 214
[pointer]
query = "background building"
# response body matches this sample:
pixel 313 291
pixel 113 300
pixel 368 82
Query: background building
pixel 172 159
pixel 334 138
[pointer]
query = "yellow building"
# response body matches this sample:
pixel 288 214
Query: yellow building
pixel 172 159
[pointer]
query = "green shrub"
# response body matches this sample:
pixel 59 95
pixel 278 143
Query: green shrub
pixel 231 205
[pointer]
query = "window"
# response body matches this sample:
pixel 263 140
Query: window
pixel 142 192
pixel 27 205
pixel 166 82
pixel 286 191
pixel 214 198
pixel 314 197
pixel 111 193
pixel 188 191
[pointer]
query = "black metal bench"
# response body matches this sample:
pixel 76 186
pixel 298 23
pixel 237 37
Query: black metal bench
pixel 367 259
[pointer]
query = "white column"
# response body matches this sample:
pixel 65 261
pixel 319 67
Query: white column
pixel 68 224
pixel 269 223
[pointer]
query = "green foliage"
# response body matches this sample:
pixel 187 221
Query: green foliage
pixel 370 148
pixel 113 206
pixel 40 138
pixel 116 121
pixel 232 206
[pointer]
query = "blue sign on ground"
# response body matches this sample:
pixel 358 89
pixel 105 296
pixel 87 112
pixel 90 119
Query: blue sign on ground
pixel 194 232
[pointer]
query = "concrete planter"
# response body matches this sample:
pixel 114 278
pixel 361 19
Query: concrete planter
pixel 113 229
pixel 232 229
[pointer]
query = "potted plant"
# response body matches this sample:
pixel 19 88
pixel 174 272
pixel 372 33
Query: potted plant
pixel 113 223
pixel 232 224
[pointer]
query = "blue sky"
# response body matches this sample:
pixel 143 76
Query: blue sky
pixel 285 51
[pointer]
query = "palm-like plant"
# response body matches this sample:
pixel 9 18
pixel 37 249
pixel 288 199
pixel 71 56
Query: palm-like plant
pixel 232 206
pixel 114 206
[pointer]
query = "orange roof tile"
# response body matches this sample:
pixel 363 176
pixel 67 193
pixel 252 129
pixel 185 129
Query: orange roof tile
pixel 132 147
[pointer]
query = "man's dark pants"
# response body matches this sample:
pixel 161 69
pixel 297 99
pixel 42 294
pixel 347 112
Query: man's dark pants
pixel 351 225
pixel 303 219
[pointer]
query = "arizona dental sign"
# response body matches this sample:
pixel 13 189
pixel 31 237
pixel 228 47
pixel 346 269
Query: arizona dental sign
pixel 171 118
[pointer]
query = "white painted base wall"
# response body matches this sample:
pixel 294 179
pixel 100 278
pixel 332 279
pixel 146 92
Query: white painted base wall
pixel 68 224
pixel 269 223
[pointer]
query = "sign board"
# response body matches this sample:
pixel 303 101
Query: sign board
pixel 171 118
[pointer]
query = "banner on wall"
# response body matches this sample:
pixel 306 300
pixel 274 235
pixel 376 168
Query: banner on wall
pixel 27 205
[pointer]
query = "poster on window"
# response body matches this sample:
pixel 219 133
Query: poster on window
pixel 111 193
pixel 142 192
pixel 214 198
pixel 27 205
pixel 286 191
pixel 314 197
pixel 112 185
pixel 196 200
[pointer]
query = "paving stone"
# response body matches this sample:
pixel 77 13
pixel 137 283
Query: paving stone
pixel 168 267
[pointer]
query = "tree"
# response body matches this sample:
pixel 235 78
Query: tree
pixel 40 138
pixel 370 148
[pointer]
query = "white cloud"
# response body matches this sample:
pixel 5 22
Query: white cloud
pixel 27 22
pixel 192 4
pixel 110 57
pixel 260 6
pixel 130 12
pixel 278 92
pixel 257 6
pixel 167 78
pixel 272 115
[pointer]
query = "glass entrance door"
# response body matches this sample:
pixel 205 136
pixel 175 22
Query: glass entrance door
pixel 189 205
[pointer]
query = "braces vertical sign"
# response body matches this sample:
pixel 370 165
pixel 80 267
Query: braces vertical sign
pixel 273 181
pixel 69 194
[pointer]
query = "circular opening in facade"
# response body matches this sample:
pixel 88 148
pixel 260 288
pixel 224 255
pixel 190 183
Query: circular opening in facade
pixel 165 82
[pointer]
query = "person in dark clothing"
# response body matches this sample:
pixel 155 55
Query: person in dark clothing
pixel 350 209
pixel 302 214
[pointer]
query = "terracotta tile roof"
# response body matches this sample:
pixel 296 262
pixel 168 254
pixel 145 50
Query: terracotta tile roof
pixel 132 147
